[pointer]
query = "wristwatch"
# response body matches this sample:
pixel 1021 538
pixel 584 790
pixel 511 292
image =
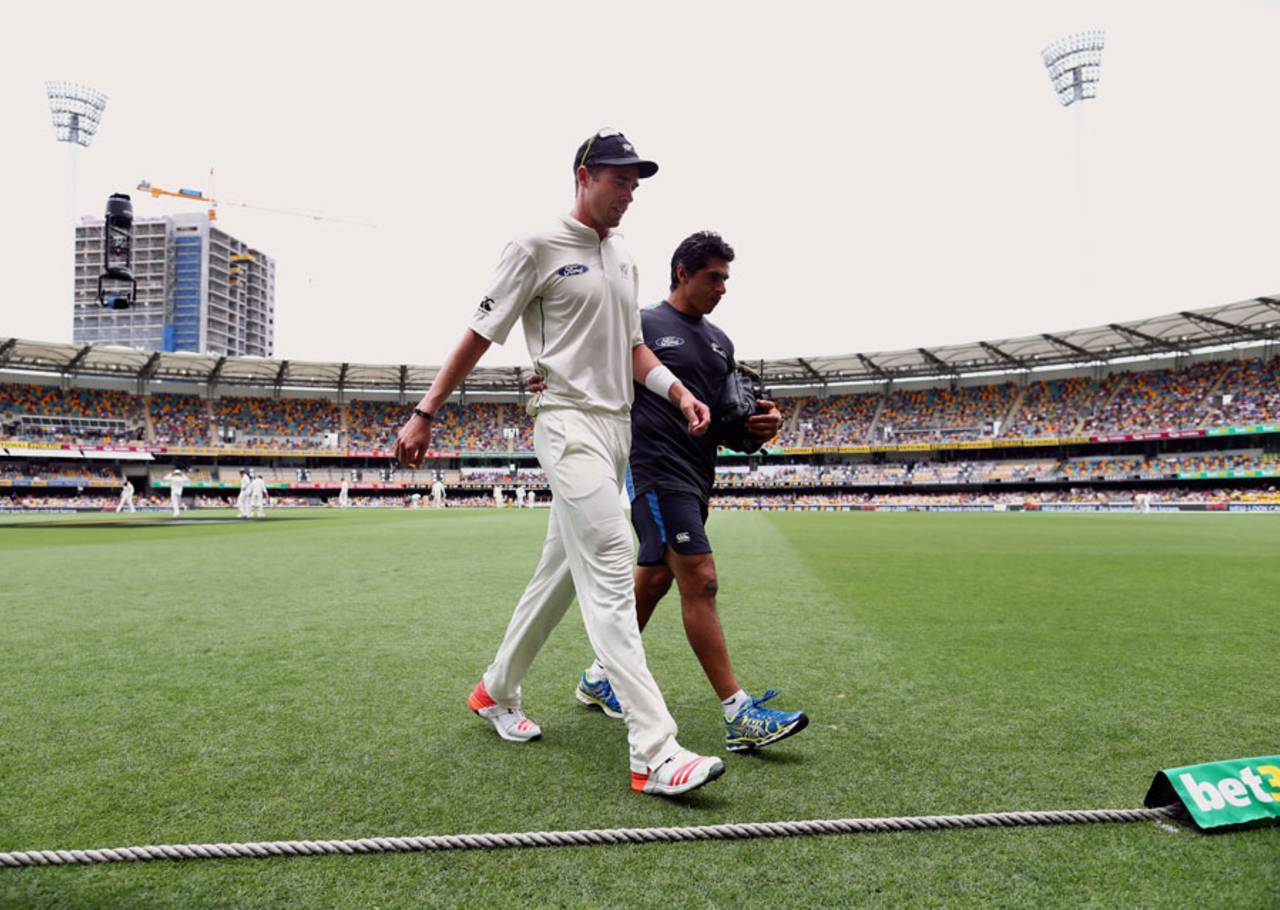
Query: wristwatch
pixel 418 412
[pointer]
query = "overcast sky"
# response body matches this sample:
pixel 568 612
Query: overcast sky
pixel 891 175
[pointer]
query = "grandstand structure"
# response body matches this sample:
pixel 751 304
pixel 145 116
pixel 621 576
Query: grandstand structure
pixel 1186 405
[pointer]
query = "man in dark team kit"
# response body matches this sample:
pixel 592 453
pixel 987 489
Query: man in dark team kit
pixel 670 479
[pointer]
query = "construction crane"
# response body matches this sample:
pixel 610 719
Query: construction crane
pixel 198 196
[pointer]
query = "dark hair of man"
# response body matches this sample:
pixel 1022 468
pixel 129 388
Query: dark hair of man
pixel 695 251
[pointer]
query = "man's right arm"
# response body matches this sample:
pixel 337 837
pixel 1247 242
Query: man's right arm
pixel 414 437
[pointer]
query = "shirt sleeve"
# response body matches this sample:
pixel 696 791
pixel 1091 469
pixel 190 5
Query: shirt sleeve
pixel 512 287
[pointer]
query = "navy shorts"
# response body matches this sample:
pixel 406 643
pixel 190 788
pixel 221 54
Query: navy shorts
pixel 675 520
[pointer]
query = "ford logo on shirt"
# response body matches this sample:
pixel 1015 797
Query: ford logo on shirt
pixel 667 341
pixel 576 268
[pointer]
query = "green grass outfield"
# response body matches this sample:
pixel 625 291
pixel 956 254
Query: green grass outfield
pixel 303 677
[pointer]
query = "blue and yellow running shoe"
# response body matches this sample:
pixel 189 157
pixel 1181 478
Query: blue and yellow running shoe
pixel 755 726
pixel 598 695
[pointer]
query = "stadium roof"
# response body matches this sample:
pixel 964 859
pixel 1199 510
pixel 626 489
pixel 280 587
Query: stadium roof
pixel 1248 322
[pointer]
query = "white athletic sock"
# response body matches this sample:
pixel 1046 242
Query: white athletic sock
pixel 733 704
pixel 596 672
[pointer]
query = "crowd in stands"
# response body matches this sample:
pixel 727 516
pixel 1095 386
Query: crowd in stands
pixel 1157 400
pixel 263 421
pixel 939 414
pixel 1203 395
pixel 828 421
pixel 478 427
pixel 53 414
pixel 372 425
pixel 105 404
pixel 59 471
pixel 1207 394
pixel 1057 408
pixel 179 420
pixel 1249 393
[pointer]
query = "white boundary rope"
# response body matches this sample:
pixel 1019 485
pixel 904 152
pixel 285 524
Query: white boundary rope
pixel 585 838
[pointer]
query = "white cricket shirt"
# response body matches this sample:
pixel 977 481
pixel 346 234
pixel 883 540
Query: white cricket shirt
pixel 576 297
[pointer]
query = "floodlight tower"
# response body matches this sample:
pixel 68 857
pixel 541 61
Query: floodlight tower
pixel 77 113
pixel 1075 66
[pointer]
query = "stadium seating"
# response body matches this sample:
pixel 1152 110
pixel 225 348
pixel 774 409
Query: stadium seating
pixel 277 422
pixel 50 413
pixel 1249 393
pixel 1201 396
pixel 1057 407
pixel 1157 400
pixel 827 421
pixel 940 414
pixel 179 420
pixel 373 424
pixel 26 471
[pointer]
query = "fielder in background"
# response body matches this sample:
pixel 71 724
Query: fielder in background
pixel 177 482
pixel 242 500
pixel 437 493
pixel 670 480
pixel 574 287
pixel 126 497
pixel 344 494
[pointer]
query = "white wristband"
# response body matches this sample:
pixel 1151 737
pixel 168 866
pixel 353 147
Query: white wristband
pixel 659 381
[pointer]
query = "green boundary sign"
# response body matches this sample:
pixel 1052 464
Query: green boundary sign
pixel 1242 791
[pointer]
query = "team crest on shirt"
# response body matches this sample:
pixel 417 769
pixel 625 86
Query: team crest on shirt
pixel 625 267
pixel 486 305
pixel 719 350
pixel 667 341
pixel 566 271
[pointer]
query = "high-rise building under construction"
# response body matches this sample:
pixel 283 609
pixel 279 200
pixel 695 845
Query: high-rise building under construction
pixel 199 289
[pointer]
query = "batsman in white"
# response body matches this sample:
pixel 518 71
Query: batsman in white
pixel 177 482
pixel 126 497
pixel 574 288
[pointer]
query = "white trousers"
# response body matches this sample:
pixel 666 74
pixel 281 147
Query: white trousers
pixel 588 551
pixel 126 502
pixel 242 504
pixel 175 500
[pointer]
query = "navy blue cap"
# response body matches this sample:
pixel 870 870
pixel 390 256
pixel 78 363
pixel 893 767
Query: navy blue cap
pixel 610 147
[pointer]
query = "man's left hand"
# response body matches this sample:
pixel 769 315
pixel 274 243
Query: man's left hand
pixel 765 426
